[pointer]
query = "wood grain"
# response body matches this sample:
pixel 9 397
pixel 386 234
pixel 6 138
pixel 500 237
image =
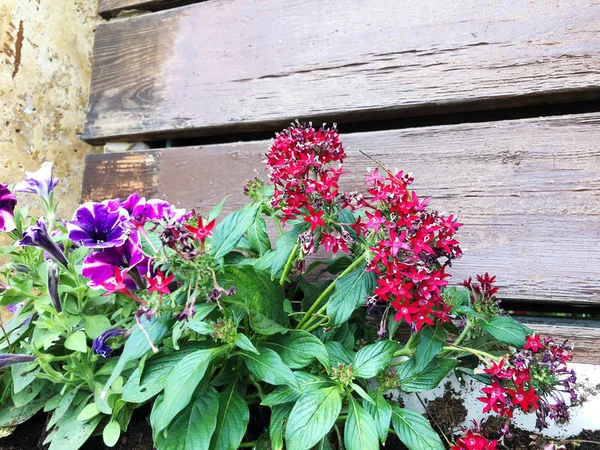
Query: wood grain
pixel 232 65
pixel 111 8
pixel 527 191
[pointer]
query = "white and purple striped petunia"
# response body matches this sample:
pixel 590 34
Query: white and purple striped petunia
pixel 99 225
pixel 8 201
pixel 40 182
pixel 99 267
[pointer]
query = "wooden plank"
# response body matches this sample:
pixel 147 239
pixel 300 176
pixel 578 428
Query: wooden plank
pixel 527 191
pixel 111 8
pixel 222 66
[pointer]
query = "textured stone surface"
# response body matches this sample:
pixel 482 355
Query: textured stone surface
pixel 45 72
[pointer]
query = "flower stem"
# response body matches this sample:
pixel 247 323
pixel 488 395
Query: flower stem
pixel 308 318
pixel 478 353
pixel 288 264
pixel 464 333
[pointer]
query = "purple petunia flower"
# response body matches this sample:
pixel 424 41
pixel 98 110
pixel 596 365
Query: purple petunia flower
pixel 141 210
pixel 100 267
pixel 8 201
pixel 40 182
pixel 9 360
pixel 37 236
pixel 98 225
pixel 100 344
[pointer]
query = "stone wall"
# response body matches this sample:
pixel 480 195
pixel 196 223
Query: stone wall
pixel 45 72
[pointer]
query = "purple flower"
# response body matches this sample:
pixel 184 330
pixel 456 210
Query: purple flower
pixel 141 210
pixel 40 182
pixel 37 236
pixel 100 344
pixel 9 360
pixel 8 201
pixel 100 267
pixel 98 225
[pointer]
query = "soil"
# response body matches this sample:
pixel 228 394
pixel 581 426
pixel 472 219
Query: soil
pixel 31 435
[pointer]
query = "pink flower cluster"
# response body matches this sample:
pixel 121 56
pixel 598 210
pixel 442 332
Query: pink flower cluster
pixel 532 379
pixel 411 241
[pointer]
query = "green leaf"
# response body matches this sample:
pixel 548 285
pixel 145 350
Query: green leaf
pixel 194 427
pixel 137 344
pixel 76 342
pixel 258 239
pixel 214 213
pixel 458 295
pixel 62 408
pixel 287 394
pixel 180 385
pixel 89 412
pixel 506 330
pixel 242 341
pixel 360 432
pixel 298 348
pixel 372 359
pixel 361 392
pixel 111 433
pixel 141 387
pixel 349 293
pixel 73 434
pixel 96 325
pixel 414 430
pixel 431 341
pixel 268 366
pixel 232 420
pixel 312 417
pixel 429 378
pixel 229 232
pixel 279 415
pixel 11 416
pixel 381 411
pixel 283 247
pixel 338 354
pixel 262 296
pixel 23 397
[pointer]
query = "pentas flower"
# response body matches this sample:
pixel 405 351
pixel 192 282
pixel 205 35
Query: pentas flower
pixel 100 267
pixel 474 440
pixel 8 201
pixel 315 218
pixel 100 344
pixel 37 236
pixel 41 182
pixel 299 165
pixel 159 283
pixel 534 344
pixel 410 246
pixel 98 225
pixel 483 295
pixel 201 230
pixel 531 381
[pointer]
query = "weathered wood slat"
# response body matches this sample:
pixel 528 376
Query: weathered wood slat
pixel 527 191
pixel 110 8
pixel 222 66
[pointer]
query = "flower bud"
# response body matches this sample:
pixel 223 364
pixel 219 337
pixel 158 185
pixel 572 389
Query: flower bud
pixel 53 276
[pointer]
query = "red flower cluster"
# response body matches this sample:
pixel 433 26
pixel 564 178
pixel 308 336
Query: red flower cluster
pixel 483 295
pixel 411 242
pixel 298 164
pixel 474 440
pixel 510 389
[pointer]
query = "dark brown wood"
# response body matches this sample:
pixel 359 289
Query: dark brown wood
pixel 526 190
pixel 111 8
pixel 223 66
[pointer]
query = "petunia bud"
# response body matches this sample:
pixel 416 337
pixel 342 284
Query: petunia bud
pixel 8 360
pixel 37 236
pixel 100 344
pixel 53 274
